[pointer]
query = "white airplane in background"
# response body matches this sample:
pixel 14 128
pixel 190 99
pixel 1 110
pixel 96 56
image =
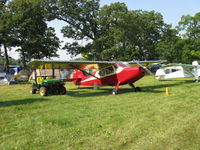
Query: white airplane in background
pixel 175 70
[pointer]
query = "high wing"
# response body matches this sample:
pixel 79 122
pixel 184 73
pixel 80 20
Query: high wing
pixel 147 62
pixel 179 64
pixel 52 64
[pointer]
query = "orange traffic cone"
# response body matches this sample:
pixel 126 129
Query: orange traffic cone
pixel 167 91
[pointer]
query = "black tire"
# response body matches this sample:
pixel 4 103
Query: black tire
pixel 114 92
pixel 33 89
pixel 138 89
pixel 43 91
pixel 62 90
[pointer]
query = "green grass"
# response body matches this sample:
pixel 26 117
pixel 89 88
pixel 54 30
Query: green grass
pixel 94 119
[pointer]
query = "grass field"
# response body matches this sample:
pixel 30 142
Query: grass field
pixel 96 120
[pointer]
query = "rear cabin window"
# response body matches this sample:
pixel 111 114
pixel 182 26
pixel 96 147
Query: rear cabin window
pixel 88 72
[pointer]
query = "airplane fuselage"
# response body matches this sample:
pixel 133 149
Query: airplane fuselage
pixel 112 75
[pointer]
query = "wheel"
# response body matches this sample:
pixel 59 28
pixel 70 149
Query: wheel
pixel 33 89
pixel 62 90
pixel 138 89
pixel 43 91
pixel 114 92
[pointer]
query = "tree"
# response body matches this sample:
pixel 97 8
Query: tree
pixel 7 39
pixel 190 29
pixel 34 38
pixel 11 61
pixel 43 46
pixel 111 32
pixel 190 26
pixel 168 48
pixel 5 25
pixel 151 27
pixel 81 17
pixel 130 34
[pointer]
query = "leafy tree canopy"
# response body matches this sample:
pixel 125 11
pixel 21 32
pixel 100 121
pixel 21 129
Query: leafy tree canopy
pixel 33 37
pixel 190 31
pixel 111 32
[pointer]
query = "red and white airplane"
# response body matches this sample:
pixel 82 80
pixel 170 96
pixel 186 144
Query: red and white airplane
pixel 113 73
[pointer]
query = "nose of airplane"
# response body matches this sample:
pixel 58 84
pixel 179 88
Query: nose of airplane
pixel 142 71
pixel 138 71
pixel 132 74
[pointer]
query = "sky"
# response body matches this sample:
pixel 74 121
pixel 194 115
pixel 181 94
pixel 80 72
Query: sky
pixel 172 10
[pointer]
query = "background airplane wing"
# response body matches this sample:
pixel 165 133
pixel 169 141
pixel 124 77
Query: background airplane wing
pixel 188 67
pixel 147 62
pixel 179 64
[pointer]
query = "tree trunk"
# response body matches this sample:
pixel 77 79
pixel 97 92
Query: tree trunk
pixel 6 57
pixel 23 60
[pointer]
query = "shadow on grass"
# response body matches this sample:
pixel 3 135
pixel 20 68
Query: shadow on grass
pixel 83 91
pixel 178 80
pixel 159 86
pixel 21 102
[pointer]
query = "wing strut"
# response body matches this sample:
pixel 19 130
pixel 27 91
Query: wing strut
pixel 145 68
pixel 84 71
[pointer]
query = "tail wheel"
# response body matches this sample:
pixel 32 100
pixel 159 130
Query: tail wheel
pixel 32 89
pixel 43 91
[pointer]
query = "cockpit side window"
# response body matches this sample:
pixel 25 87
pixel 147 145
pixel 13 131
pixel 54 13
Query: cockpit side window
pixel 174 70
pixel 107 71
pixel 167 71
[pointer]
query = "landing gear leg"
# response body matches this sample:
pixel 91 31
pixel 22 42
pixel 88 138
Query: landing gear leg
pixel 132 85
pixel 136 89
pixel 115 91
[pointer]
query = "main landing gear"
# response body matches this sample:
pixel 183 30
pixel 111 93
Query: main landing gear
pixel 136 89
pixel 115 91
